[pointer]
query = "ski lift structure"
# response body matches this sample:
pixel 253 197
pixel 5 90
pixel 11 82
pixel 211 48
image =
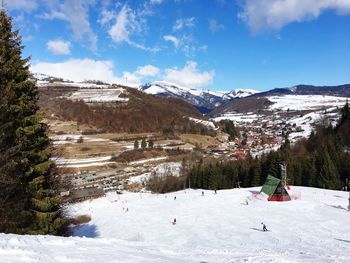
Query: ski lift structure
pixel 275 188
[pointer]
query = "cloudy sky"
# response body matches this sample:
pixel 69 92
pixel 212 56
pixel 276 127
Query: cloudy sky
pixel 207 44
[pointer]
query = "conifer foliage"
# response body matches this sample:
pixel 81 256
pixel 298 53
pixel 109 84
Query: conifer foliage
pixel 28 203
pixel 323 160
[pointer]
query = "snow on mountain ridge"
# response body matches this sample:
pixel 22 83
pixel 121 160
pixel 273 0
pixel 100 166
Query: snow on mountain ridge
pixel 157 87
pixel 164 86
pixel 198 97
pixel 240 93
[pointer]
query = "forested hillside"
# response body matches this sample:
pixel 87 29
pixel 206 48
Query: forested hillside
pixel 141 113
pixel 321 161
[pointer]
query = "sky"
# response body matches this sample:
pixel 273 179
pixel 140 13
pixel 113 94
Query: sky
pixel 205 44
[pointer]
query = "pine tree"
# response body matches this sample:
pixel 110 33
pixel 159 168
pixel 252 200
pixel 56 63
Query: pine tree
pixel 28 203
pixel 345 112
pixel 255 176
pixel 143 143
pixel 136 144
pixel 328 174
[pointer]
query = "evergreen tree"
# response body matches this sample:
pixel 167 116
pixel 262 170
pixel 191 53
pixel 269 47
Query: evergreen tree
pixel 229 128
pixel 345 112
pixel 136 144
pixel 143 143
pixel 28 203
pixel 328 174
pixel 255 173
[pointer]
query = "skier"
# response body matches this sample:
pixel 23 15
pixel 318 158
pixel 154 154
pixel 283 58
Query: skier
pixel 202 193
pixel 174 197
pixel 215 191
pixel 264 227
pixel 174 221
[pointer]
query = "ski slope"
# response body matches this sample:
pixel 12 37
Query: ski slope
pixel 210 228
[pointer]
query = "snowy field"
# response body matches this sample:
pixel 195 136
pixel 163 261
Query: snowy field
pixel 248 117
pixel 305 102
pixel 209 228
pixel 99 95
pixel 80 163
pixel 208 124
pixel 73 138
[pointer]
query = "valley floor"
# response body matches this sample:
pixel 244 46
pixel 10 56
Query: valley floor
pixel 222 227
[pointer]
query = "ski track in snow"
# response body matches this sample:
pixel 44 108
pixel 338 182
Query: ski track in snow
pixel 210 228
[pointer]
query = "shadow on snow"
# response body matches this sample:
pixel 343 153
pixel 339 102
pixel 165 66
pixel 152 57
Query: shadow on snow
pixel 85 230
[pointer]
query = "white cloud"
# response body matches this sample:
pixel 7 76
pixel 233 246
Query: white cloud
pixel 262 15
pixel 106 17
pixel 203 48
pixel 87 69
pixel 189 76
pixel 128 22
pixel 78 70
pixel 214 26
pixel 148 71
pixel 76 13
pixel 172 39
pixel 24 5
pixel 59 47
pixel 183 23
pixel 156 2
pixel 125 24
pixel 186 44
pixel 131 79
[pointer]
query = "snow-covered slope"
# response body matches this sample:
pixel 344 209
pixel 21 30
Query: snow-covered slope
pixel 305 102
pixel 99 95
pixel 302 111
pixel 209 228
pixel 200 98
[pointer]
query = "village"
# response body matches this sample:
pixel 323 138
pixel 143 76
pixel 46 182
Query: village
pixel 95 163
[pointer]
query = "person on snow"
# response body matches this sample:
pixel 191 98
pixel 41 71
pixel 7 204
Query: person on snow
pixel 174 197
pixel 264 227
pixel 202 193
pixel 174 221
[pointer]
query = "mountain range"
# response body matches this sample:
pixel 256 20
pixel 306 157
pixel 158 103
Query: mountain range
pixel 339 91
pixel 204 100
pixel 217 102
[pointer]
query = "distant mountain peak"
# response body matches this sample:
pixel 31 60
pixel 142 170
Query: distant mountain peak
pixel 293 89
pixel 202 99
pixel 240 93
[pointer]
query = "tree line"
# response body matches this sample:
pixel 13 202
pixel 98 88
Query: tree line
pixel 322 160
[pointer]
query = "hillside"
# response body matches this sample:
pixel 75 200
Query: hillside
pixel 210 228
pixel 116 108
pixel 242 105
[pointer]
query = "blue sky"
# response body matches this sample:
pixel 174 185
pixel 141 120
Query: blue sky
pixel 207 44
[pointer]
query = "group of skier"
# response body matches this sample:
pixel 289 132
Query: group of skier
pixel 263 225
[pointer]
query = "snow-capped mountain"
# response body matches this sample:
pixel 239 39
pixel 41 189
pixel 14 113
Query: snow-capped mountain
pixel 204 100
pixel 241 93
